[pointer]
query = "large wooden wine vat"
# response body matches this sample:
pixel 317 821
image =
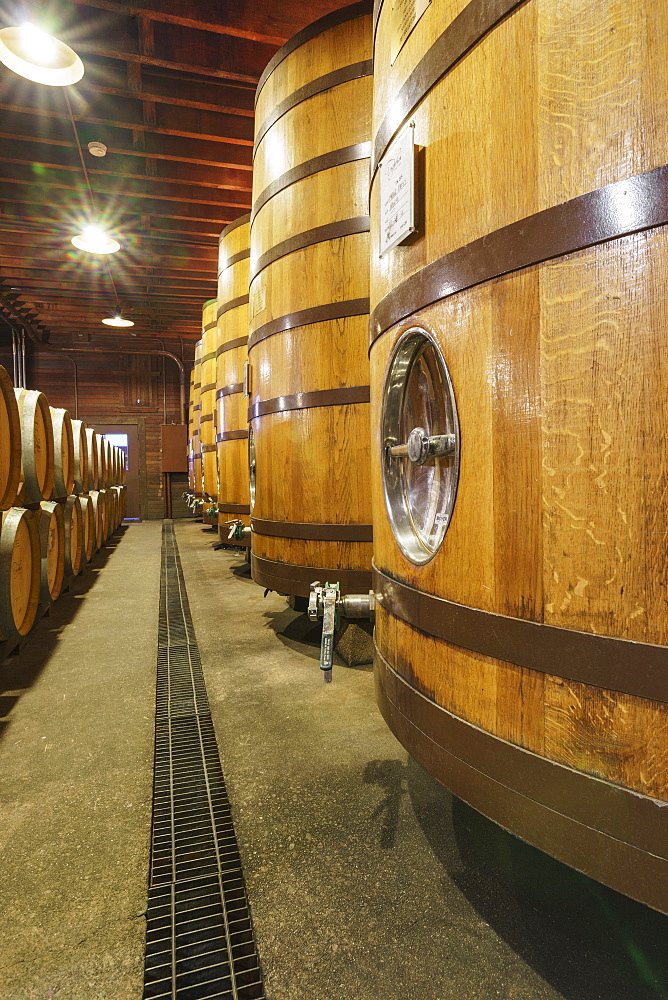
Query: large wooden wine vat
pixel 191 436
pixel 197 416
pixel 207 428
pixel 520 570
pixel 231 357
pixel 309 412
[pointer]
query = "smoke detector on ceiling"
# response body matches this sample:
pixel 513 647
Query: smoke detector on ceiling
pixel 97 149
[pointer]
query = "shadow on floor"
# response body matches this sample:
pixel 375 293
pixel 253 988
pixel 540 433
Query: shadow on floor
pixel 390 775
pixel 20 670
pixel 586 940
pixel 242 572
pixel 296 631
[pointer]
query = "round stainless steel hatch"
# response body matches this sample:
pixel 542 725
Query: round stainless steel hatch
pixel 420 441
pixel 251 464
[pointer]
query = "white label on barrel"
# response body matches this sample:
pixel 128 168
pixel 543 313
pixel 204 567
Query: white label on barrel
pixel 405 15
pixel 397 191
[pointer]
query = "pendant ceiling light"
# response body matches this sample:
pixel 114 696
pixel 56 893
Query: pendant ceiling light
pixel 95 240
pixel 38 56
pixel 117 319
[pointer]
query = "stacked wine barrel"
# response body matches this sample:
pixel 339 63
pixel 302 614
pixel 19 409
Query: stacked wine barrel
pixel 308 310
pixel 519 413
pixel 231 359
pixel 62 494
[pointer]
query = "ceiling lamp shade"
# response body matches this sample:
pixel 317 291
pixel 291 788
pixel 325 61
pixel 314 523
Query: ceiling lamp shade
pixel 38 56
pixel 94 240
pixel 117 320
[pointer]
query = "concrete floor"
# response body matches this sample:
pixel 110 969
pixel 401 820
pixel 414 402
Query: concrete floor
pixel 76 752
pixel 367 880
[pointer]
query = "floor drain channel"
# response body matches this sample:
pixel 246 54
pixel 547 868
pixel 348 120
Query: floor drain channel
pixel 199 936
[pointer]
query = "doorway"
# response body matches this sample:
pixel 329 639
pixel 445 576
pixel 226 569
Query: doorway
pixel 127 438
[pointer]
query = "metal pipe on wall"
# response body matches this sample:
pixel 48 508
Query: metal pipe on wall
pixel 24 381
pixel 15 357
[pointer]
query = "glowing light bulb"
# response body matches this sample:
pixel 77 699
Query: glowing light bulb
pixel 117 320
pixel 95 240
pixel 41 47
pixel 38 56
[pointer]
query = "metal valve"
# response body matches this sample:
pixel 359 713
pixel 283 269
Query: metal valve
pixel 238 530
pixel 421 446
pixel 329 604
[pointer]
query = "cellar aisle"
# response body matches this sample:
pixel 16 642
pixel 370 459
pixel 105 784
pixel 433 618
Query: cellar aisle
pixel 76 759
pixel 368 880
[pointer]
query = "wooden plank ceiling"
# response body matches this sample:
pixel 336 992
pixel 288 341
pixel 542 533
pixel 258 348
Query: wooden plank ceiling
pixel 168 88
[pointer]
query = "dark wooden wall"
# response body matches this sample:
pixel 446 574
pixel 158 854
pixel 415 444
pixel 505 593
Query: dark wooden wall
pixel 113 388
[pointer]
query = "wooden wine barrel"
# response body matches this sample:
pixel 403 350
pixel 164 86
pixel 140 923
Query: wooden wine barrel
pixel 207 428
pixel 36 481
pixel 99 518
pixel 124 502
pixel 74 536
pixel 112 509
pixel 100 446
pixel 19 573
pixel 93 459
pixel 118 502
pixel 231 357
pixel 309 268
pixel 89 527
pixel 10 442
pixel 110 462
pixel 105 504
pixel 80 456
pixel 51 529
pixel 63 453
pixel 521 629
pixel 197 415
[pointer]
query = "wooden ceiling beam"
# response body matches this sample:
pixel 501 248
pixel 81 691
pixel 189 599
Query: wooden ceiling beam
pixel 118 139
pixel 125 215
pixel 199 161
pixel 16 176
pixel 270 23
pixel 60 159
pixel 86 48
pixel 72 271
pixel 163 155
pixel 196 256
pixel 161 97
pixel 226 129
pixel 59 290
pixel 38 258
pixel 24 233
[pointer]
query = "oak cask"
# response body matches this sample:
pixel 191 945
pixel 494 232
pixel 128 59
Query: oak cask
pixel 308 310
pixel 519 402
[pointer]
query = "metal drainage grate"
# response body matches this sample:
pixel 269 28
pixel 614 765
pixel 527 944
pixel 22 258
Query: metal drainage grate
pixel 199 937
